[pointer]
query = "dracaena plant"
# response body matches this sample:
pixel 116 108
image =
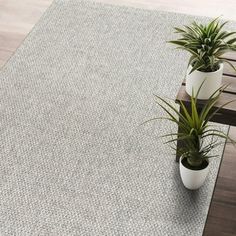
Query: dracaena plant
pixel 197 135
pixel 206 44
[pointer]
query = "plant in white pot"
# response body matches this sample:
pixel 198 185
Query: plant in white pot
pixel 197 135
pixel 206 44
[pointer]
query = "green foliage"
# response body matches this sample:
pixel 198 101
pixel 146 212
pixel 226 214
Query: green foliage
pixel 206 44
pixel 195 128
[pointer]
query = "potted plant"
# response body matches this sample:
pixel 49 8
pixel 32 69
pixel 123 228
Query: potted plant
pixel 197 135
pixel 206 44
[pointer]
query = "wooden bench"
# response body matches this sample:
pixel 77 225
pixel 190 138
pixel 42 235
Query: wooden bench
pixel 226 115
pixel 221 219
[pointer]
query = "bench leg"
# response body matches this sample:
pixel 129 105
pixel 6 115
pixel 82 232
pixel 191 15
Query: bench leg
pixel 179 142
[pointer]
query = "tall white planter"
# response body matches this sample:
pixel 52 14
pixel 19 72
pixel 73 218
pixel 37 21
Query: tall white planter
pixel 192 179
pixel 212 82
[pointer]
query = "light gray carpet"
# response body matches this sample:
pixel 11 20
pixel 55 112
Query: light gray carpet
pixel 74 160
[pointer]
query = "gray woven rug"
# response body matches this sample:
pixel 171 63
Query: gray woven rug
pixel 74 158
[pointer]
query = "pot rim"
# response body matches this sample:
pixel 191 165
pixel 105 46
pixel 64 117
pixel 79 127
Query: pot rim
pixel 209 72
pixel 182 157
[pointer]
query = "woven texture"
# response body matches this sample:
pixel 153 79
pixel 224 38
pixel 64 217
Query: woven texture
pixel 74 158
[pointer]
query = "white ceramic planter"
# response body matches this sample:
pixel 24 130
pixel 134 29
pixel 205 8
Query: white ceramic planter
pixel 212 82
pixel 192 179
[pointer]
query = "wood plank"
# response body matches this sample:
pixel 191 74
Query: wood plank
pixel 228 70
pixel 10 41
pixel 2 62
pixel 231 82
pixel 219 227
pixel 228 111
pixel 221 218
pixel 21 16
pixel 230 56
pixel 5 55
pixel 225 190
pixel 17 19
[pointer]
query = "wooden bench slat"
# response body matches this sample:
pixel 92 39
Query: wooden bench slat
pixel 231 82
pixel 228 70
pixel 230 109
pixel 230 56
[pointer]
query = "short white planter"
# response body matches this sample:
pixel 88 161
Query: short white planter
pixel 212 82
pixel 192 179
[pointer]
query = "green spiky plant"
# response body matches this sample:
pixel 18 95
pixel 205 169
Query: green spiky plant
pixel 195 128
pixel 206 44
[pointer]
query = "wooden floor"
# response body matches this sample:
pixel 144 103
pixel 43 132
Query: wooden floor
pixel 222 215
pixel 18 17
